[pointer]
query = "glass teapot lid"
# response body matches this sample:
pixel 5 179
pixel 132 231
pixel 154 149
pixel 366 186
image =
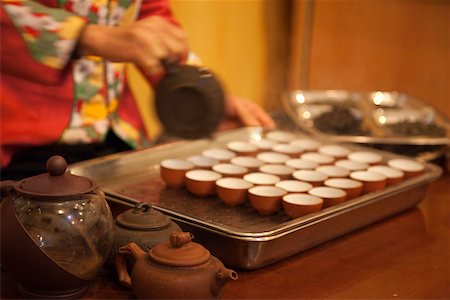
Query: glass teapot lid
pixel 57 182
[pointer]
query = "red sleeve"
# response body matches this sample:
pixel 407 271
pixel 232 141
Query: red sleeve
pixel 157 8
pixel 17 58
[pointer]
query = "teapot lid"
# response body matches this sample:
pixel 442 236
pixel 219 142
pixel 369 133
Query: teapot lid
pixel 57 182
pixel 180 251
pixel 143 217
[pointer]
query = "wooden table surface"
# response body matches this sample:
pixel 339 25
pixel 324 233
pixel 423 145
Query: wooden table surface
pixel 403 257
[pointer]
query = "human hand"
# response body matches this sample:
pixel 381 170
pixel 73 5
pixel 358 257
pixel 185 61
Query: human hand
pixel 243 112
pixel 145 43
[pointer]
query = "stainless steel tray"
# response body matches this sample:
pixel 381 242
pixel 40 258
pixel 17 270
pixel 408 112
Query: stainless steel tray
pixel 238 235
pixel 397 121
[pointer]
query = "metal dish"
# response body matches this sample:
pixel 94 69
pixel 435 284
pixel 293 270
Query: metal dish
pixel 392 121
pixel 238 235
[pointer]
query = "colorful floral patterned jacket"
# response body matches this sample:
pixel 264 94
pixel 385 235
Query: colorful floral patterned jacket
pixel 46 95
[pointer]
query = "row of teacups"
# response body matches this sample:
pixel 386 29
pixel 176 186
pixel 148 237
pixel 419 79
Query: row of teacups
pixel 295 153
pixel 241 153
pixel 233 191
pixel 314 168
pixel 266 193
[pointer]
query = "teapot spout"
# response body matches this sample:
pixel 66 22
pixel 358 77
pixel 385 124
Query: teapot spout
pixel 224 275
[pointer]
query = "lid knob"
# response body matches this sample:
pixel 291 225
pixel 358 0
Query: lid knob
pixel 179 239
pixel 143 217
pixel 58 182
pixel 56 165
pixel 180 251
pixel 141 207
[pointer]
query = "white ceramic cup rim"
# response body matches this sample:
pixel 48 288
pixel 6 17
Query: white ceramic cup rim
pixel 247 161
pixel 352 165
pixel 261 178
pixel 343 183
pixel 367 176
pixel 333 171
pixel 202 161
pixel 334 150
pixel 272 157
pixel 177 164
pixel 294 186
pixel 365 157
pixel 203 175
pixel 234 183
pixel 241 146
pixel 276 169
pixel 298 163
pixel 229 169
pixel 219 153
pixel 387 171
pixel 327 192
pixel 302 199
pixel 267 191
pixel 318 157
pixel 309 176
pixel 406 165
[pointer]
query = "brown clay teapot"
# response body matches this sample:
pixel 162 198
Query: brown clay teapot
pixel 175 269
pixel 143 225
pixel 190 101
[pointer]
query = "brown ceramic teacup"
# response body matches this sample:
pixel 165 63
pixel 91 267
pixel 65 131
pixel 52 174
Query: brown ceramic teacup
pixel 266 200
pixel 410 167
pixel 201 183
pixel 313 177
pixel 330 196
pixel 172 171
pixel 297 205
pixel 233 191
pixel 230 170
pixel 371 181
pixel 353 188
pixel 393 176
pixel 282 171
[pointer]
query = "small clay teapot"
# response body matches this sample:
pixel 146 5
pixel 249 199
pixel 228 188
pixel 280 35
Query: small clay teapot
pixel 175 269
pixel 143 225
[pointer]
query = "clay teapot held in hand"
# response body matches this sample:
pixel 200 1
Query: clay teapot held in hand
pixel 175 269
pixel 189 101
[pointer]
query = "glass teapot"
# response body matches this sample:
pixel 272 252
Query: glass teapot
pixel 56 231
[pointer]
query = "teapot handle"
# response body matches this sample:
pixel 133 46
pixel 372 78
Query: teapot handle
pixel 6 187
pixel 133 250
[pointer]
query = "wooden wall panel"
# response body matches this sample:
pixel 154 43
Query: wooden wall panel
pixel 379 45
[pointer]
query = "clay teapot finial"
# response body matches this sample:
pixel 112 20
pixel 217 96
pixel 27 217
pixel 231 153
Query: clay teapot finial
pixel 179 239
pixel 141 207
pixel 56 165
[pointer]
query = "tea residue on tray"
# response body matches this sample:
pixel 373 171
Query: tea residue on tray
pixel 340 120
pixel 408 128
